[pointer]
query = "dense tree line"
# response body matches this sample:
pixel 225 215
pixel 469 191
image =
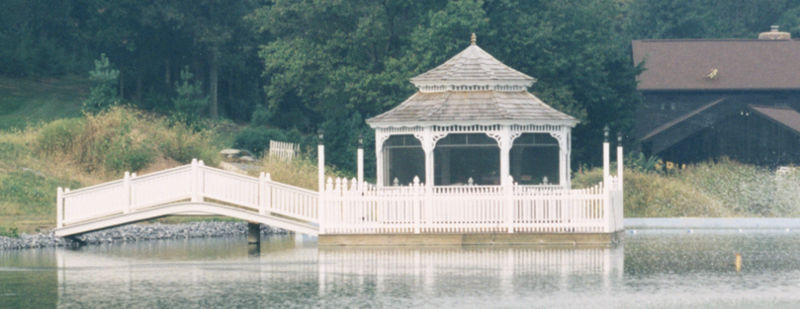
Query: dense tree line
pixel 304 65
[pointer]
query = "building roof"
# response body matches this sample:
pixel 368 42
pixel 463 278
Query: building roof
pixel 782 115
pixel 718 64
pixel 477 106
pixel 472 66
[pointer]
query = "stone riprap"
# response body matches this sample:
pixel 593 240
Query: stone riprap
pixel 136 232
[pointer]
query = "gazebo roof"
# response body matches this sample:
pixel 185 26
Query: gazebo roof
pixel 472 87
pixel 470 67
pixel 472 106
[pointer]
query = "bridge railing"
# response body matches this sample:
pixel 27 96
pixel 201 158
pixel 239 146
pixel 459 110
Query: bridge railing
pixel 189 183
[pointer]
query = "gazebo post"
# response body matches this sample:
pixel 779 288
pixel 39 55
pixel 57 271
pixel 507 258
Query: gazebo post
pixel 379 157
pixel 320 162
pixel 360 158
pixel 606 158
pixel 505 152
pixel 427 146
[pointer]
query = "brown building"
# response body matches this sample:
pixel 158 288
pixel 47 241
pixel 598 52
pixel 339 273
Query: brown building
pixel 705 99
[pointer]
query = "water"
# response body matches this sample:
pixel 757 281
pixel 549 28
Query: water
pixel 654 268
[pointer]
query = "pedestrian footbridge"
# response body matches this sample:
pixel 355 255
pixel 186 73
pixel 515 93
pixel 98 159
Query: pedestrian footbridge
pixel 193 189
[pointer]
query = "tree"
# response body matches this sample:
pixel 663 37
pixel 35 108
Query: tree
pixel 103 93
pixel 189 100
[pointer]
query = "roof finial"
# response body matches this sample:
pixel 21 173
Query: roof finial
pixel 473 39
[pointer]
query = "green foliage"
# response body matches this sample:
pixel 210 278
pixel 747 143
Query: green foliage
pixel 256 139
pixel 9 232
pixel 189 100
pixel 653 195
pixel 59 135
pixel 747 189
pixel 644 164
pixel 103 93
pixel 30 188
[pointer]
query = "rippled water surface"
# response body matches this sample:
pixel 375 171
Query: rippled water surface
pixel 671 269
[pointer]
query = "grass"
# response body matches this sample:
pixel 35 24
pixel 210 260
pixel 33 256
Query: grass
pixel 28 101
pixel 87 150
pixel 721 188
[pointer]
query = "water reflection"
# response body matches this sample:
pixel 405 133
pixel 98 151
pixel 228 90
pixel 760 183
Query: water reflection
pixel 654 269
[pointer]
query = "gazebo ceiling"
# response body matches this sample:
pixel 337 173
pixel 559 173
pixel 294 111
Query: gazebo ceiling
pixel 473 106
pixel 472 87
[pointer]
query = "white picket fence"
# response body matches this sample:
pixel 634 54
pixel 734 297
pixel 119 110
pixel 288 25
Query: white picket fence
pixel 350 208
pixel 345 207
pixel 189 183
pixel 283 150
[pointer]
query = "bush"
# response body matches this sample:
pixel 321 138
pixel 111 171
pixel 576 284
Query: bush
pixel 654 195
pixel 59 135
pixel 256 139
pixel 103 93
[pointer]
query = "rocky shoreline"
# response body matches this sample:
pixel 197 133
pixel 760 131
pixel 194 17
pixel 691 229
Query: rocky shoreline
pixel 136 232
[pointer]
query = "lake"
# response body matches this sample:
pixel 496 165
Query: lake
pixel 652 269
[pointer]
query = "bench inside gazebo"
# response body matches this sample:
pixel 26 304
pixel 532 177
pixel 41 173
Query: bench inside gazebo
pixel 471 153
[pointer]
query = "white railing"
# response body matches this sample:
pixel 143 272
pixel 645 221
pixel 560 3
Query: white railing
pixel 189 183
pixel 348 208
pixel 283 150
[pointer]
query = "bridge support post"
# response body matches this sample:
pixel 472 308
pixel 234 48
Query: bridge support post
pixel 253 233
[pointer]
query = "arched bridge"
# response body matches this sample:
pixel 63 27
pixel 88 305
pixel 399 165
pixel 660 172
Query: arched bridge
pixel 193 189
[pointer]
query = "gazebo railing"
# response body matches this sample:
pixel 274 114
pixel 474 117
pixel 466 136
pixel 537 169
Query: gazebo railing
pixel 347 208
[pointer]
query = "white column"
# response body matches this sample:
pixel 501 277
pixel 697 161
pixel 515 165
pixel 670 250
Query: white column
pixel 378 158
pixel 563 158
pixel 320 164
pixel 504 142
pixel 606 158
pixel 360 168
pixel 427 146
pixel 568 156
pixel 620 163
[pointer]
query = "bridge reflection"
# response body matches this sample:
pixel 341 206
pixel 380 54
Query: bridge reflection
pixel 285 264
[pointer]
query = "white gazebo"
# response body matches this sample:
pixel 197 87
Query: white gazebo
pixel 471 153
pixel 473 121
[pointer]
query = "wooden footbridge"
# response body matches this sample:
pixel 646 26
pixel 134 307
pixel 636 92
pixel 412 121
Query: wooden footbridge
pixel 193 189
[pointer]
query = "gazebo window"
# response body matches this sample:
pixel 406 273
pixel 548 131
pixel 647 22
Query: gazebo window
pixel 404 158
pixel 535 159
pixel 459 157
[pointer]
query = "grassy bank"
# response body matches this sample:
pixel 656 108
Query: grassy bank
pixel 87 150
pixel 722 188
pixel 31 101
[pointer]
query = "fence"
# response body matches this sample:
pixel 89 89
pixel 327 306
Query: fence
pixel 283 150
pixel 350 208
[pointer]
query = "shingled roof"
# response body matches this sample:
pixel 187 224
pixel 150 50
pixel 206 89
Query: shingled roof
pixel 718 64
pixel 472 65
pixel 473 87
pixel 465 106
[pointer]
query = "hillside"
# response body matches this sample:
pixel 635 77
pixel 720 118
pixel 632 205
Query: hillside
pixel 28 101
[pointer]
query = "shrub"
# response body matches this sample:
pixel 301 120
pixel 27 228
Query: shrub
pixel 59 135
pixel 256 139
pixel 654 195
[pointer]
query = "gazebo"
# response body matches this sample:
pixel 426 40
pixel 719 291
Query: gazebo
pixel 472 153
pixel 473 122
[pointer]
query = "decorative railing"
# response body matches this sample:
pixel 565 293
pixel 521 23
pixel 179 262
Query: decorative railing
pixel 189 183
pixel 350 208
